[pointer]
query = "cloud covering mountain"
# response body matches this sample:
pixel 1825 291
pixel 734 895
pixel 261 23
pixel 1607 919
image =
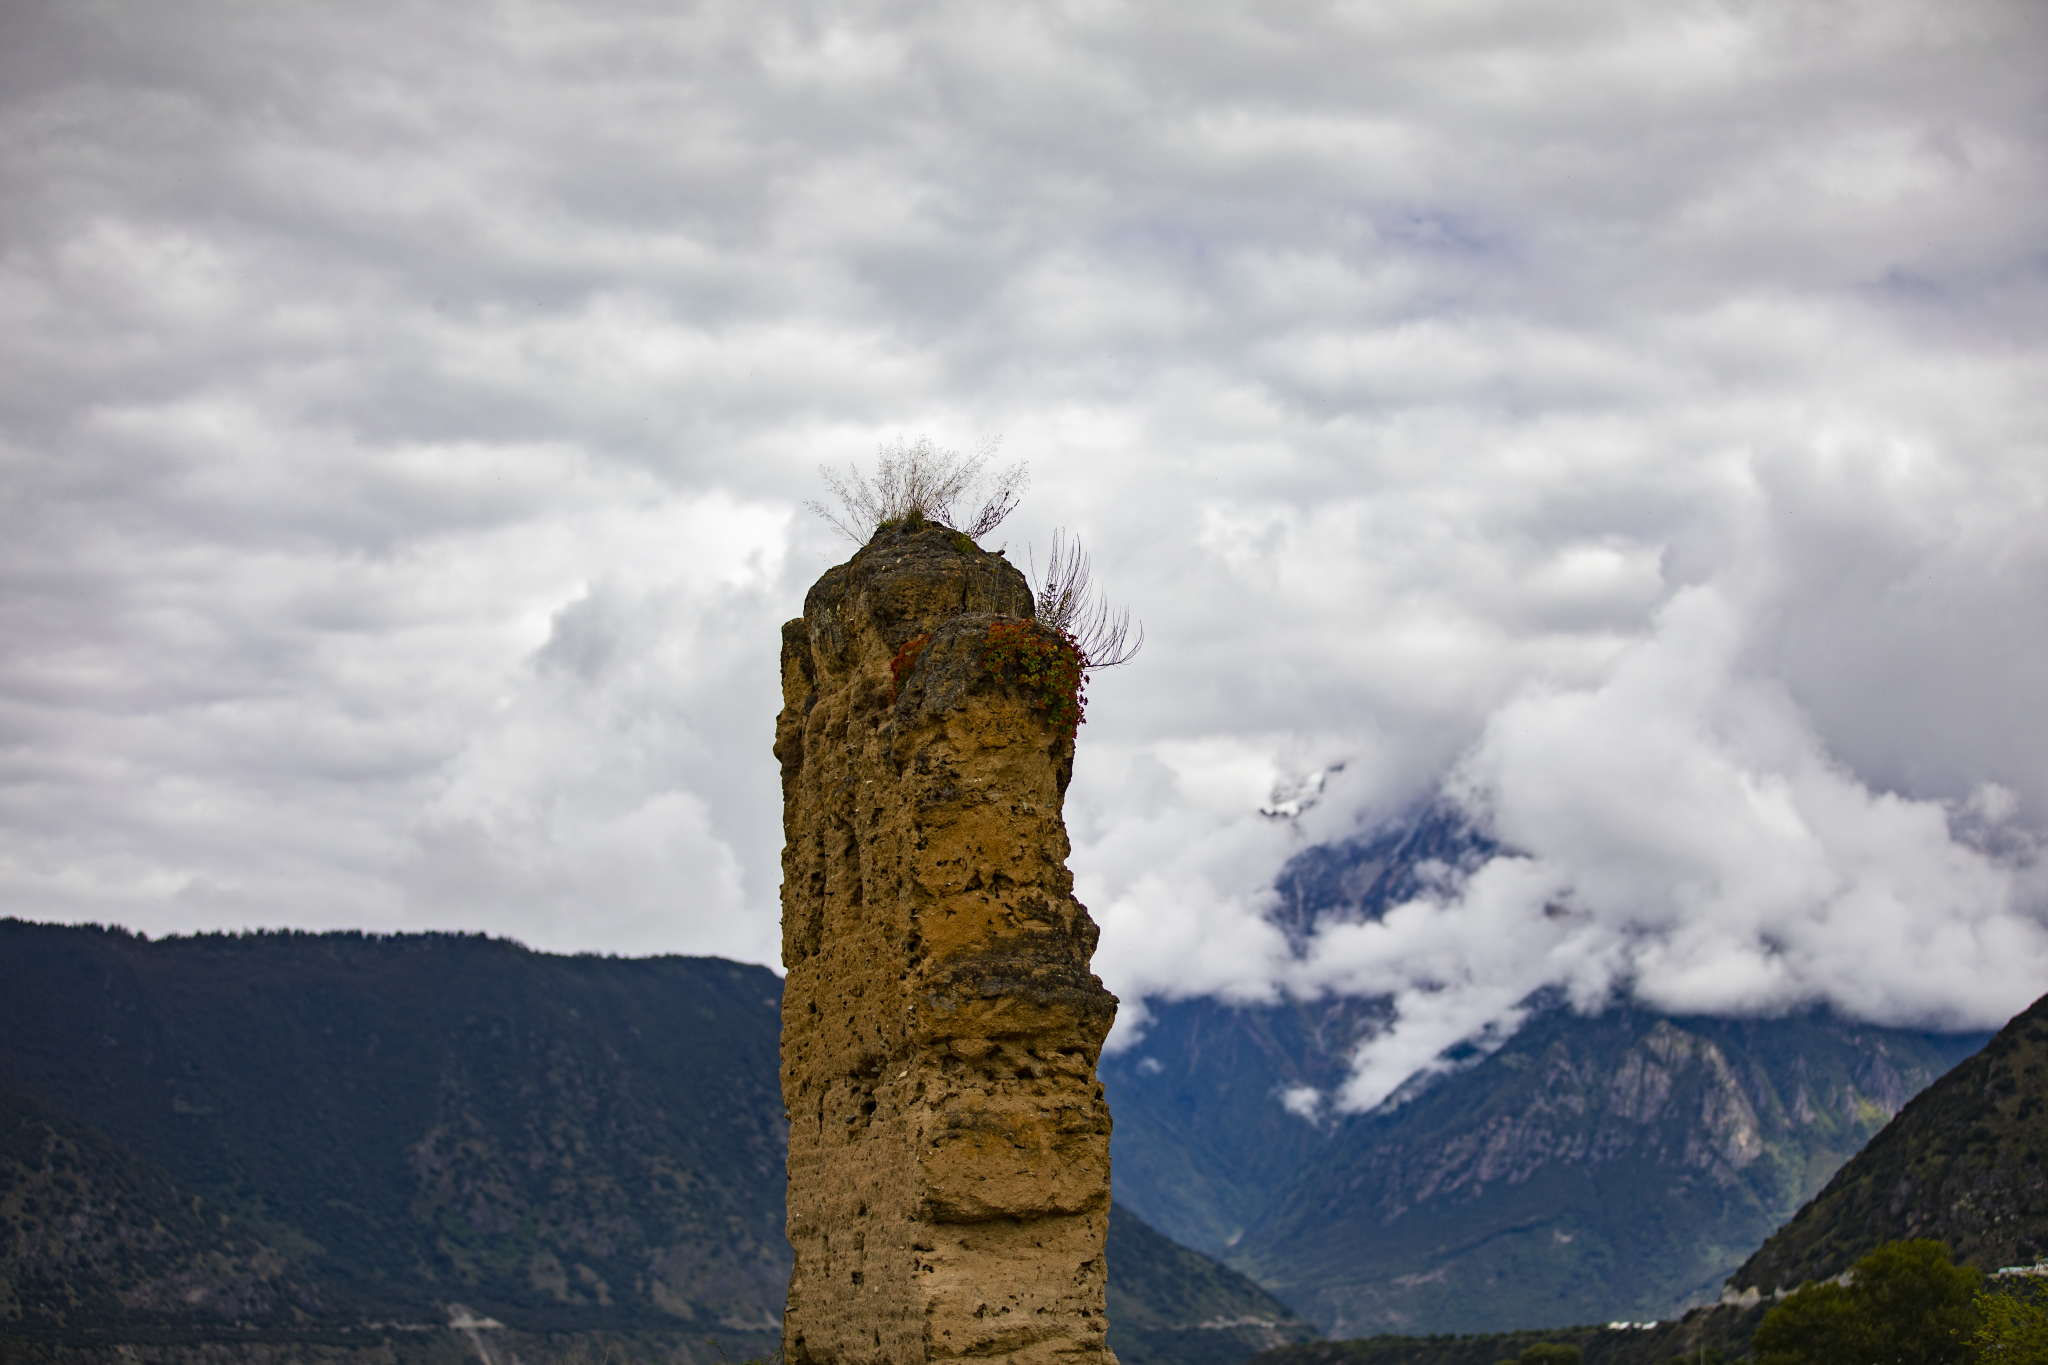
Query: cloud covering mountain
pixel 1628 425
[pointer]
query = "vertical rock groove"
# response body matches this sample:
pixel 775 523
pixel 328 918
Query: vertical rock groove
pixel 949 1143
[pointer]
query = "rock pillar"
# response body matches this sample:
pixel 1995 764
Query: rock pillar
pixel 948 1143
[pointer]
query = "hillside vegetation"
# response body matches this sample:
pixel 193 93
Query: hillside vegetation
pixel 1963 1164
pixel 1169 1305
pixel 1701 1336
pixel 346 1142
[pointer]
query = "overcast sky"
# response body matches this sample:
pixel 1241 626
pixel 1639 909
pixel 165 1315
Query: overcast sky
pixel 1628 422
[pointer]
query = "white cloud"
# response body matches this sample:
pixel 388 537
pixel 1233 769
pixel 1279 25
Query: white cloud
pixel 1678 833
pixel 403 413
pixel 1685 837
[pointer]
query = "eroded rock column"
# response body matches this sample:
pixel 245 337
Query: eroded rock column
pixel 949 1143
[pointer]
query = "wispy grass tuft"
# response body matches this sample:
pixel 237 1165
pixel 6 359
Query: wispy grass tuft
pixel 1069 602
pixel 926 480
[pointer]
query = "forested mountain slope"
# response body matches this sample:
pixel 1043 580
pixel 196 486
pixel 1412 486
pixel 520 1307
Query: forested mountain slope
pixel 404 1122
pixel 1169 1305
pixel 95 1234
pixel 346 1141
pixel 1966 1163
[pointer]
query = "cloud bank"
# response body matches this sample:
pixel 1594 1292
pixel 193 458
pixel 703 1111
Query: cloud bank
pixel 1631 426
pixel 1676 833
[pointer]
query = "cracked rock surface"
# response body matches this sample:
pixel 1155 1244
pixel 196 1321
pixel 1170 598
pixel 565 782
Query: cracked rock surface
pixel 949 1143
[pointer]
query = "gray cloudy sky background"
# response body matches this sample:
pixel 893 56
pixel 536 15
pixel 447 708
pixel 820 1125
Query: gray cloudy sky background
pixel 1631 422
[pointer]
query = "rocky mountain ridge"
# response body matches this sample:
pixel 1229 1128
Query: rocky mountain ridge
pixel 1592 1169
pixel 1616 1166
pixel 1962 1162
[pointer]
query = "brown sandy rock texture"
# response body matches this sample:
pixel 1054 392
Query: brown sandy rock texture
pixel 949 1143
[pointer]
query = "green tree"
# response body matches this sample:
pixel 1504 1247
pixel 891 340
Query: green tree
pixel 1546 1353
pixel 2013 1323
pixel 1905 1304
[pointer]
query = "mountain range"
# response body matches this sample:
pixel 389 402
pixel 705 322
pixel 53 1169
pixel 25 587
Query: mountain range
pixel 419 1144
pixel 1964 1163
pixel 1593 1168
pixel 303 1135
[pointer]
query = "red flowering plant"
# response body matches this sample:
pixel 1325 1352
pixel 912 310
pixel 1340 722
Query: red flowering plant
pixel 1051 669
pixel 906 659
